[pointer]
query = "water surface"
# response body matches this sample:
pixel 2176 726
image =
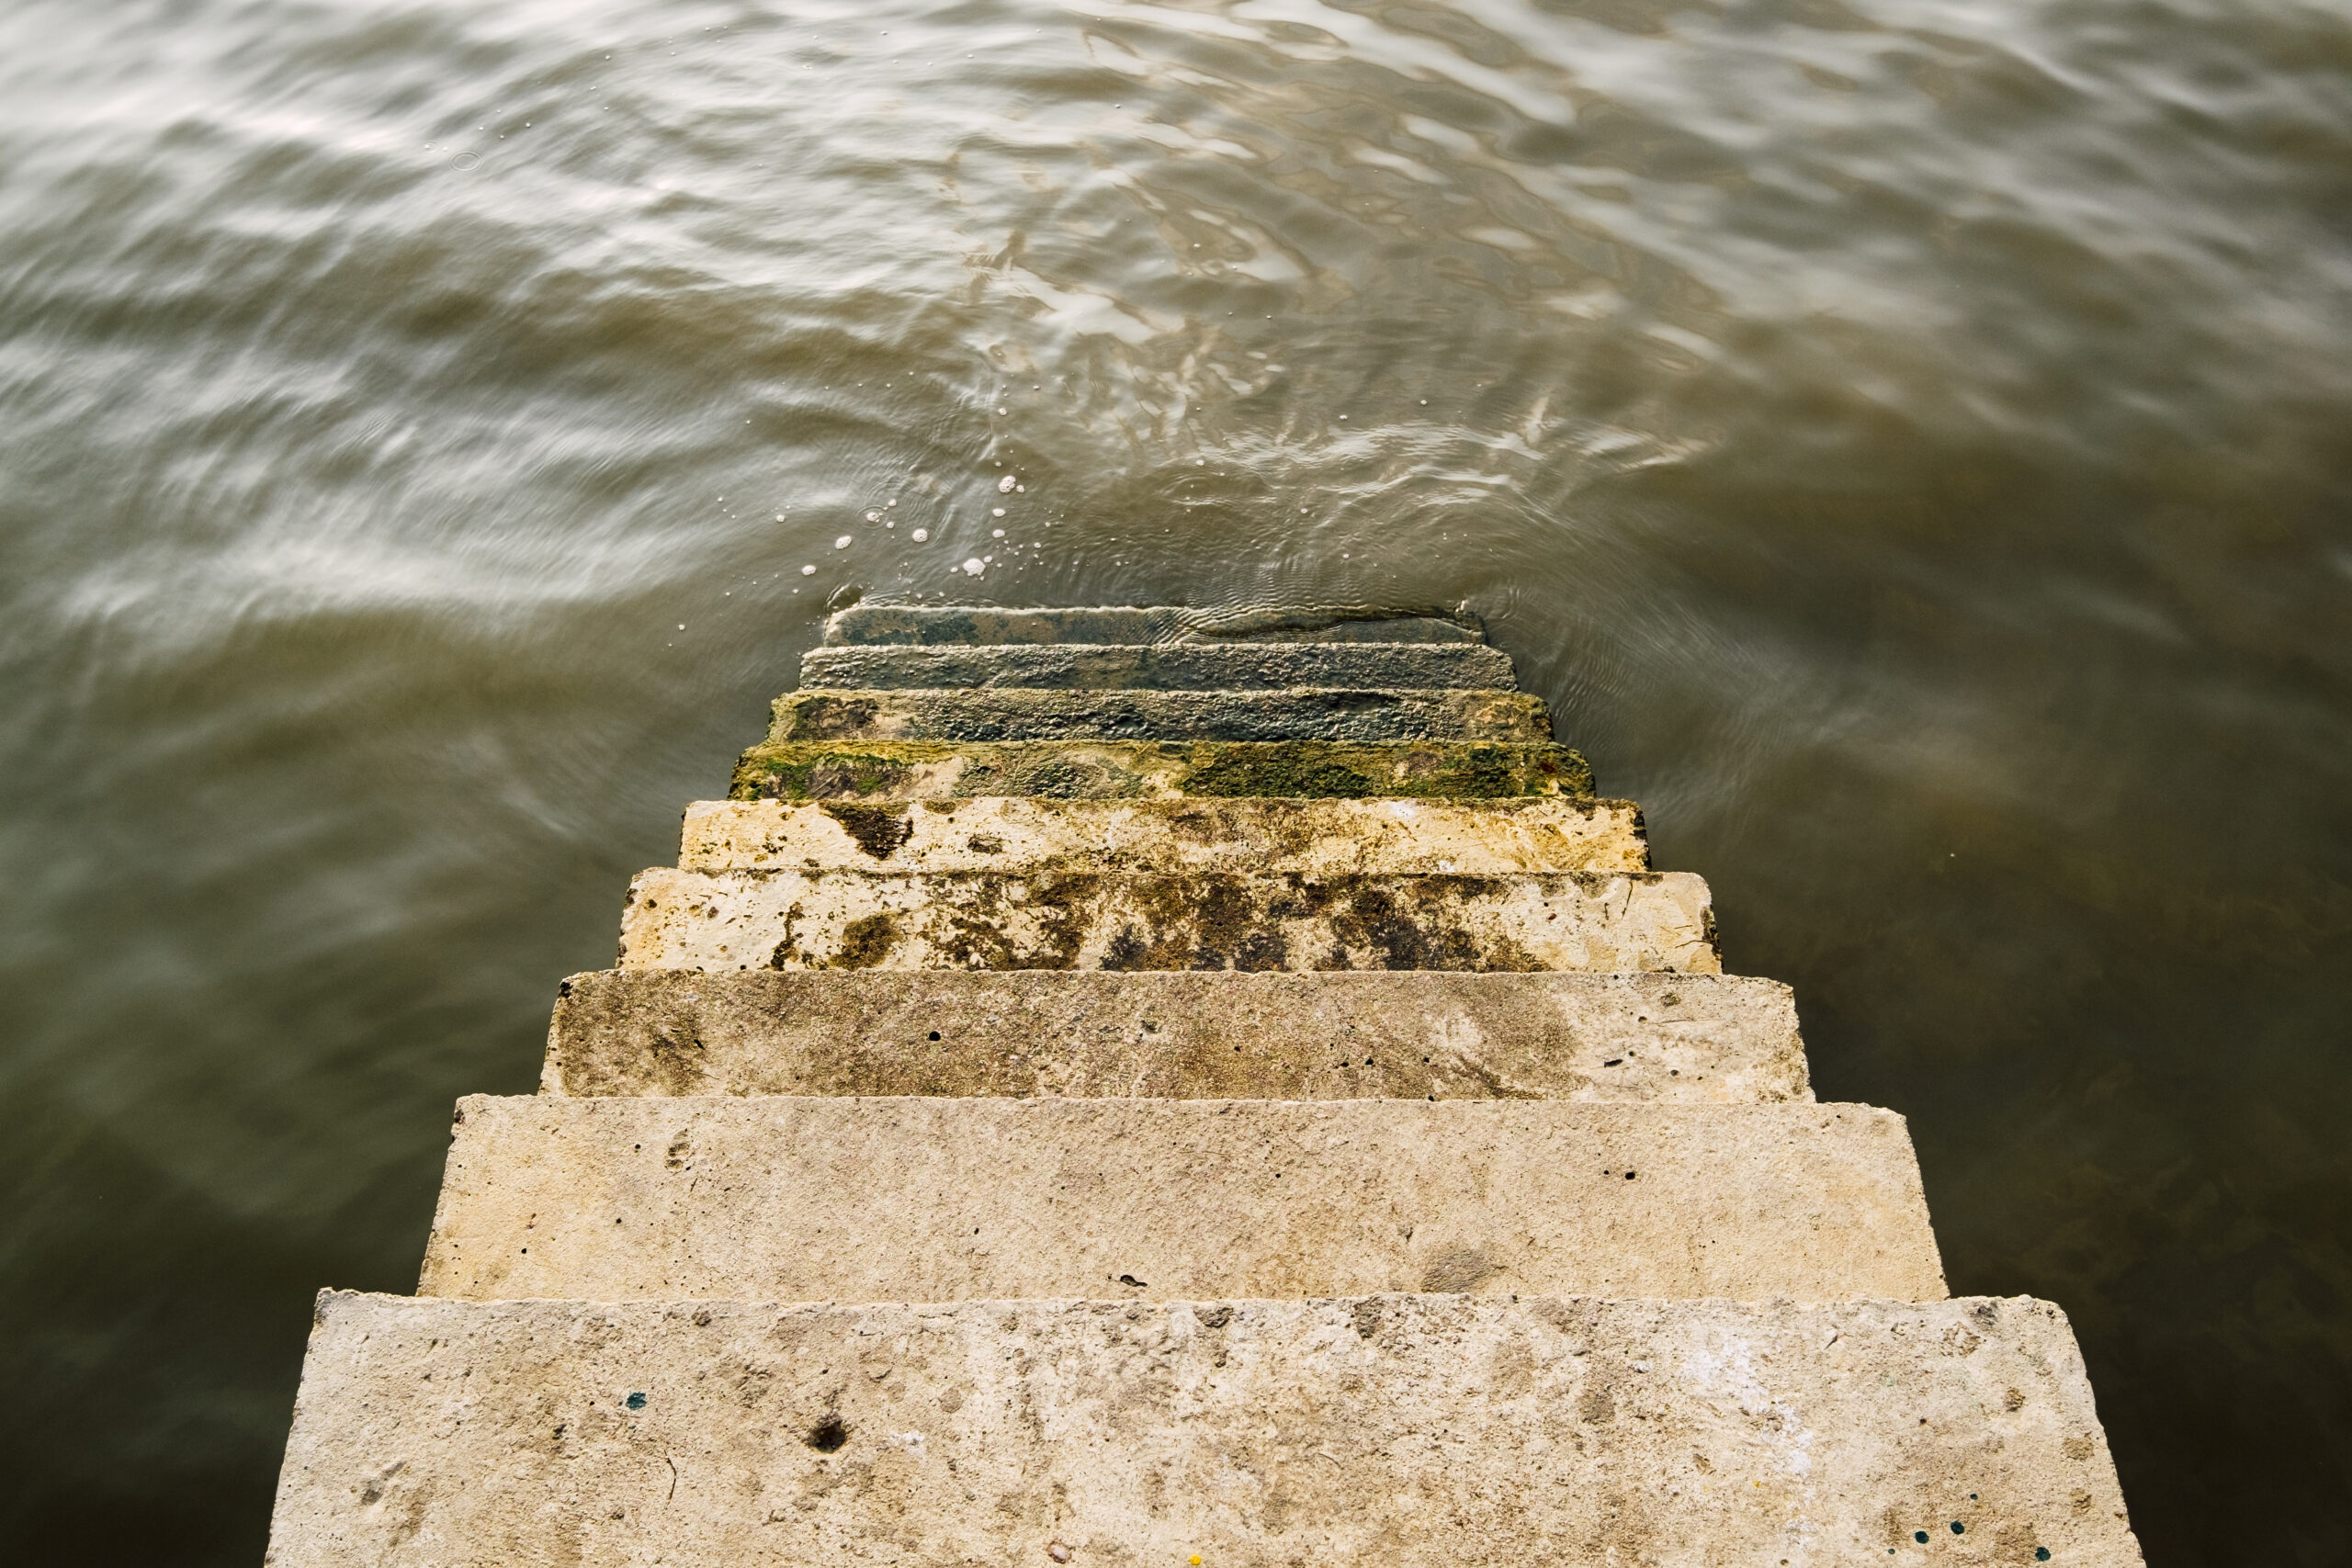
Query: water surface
pixel 1911 444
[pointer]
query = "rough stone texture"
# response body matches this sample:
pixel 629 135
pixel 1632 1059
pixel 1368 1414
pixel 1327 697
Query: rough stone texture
pixel 938 624
pixel 1025 834
pixel 1419 1431
pixel 999 715
pixel 956 1199
pixel 850 919
pixel 1082 770
pixel 1687 1039
pixel 1359 666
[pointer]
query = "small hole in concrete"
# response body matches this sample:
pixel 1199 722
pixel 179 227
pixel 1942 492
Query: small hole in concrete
pixel 1919 1536
pixel 2042 1555
pixel 635 1402
pixel 1629 1176
pixel 828 1435
pixel 1959 1528
pixel 1615 1062
pixel 934 1034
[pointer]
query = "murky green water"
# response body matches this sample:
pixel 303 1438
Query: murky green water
pixel 1910 442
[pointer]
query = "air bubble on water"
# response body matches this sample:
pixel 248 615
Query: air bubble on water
pixel 807 572
pixel 1004 486
pixel 974 567
pixel 1000 410
pixel 920 535
pixel 996 533
pixel 887 504
pixel 874 517
pixel 996 511
pixel 842 543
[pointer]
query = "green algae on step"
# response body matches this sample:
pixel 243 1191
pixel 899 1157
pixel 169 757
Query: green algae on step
pixel 850 919
pixel 1469 1431
pixel 1616 1038
pixel 1356 666
pixel 1022 833
pixel 782 1198
pixel 994 714
pixel 918 769
pixel 953 624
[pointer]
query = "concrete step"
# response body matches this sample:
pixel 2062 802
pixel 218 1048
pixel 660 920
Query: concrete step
pixel 846 920
pixel 1419 1431
pixel 968 1199
pixel 1192 667
pixel 1072 770
pixel 998 715
pixel 1020 833
pixel 950 625
pixel 1688 1039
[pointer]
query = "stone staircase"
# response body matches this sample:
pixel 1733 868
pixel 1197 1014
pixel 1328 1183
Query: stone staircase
pixel 1114 1088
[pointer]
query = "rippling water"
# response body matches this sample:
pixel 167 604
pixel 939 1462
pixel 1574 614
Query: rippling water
pixel 1911 444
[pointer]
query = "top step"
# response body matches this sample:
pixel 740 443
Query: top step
pixel 945 625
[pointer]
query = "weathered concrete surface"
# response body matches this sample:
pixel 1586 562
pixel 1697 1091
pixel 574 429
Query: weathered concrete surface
pixel 938 624
pixel 849 920
pixel 995 714
pixel 1082 770
pixel 1025 834
pixel 1419 1431
pixel 1195 667
pixel 1687 1039
pixel 957 1199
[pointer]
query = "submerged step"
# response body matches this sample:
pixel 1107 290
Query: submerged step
pixel 998 713
pixel 948 624
pixel 1084 770
pixel 963 1199
pixel 849 920
pixel 1026 834
pixel 1422 1431
pixel 1690 1039
pixel 1175 667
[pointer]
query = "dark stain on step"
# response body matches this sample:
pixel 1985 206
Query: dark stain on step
pixel 829 1434
pixel 866 941
pixel 878 829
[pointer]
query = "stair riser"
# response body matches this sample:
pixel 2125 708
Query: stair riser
pixel 954 1200
pixel 1675 1039
pixel 1077 770
pixel 994 715
pixel 1315 838
pixel 682 919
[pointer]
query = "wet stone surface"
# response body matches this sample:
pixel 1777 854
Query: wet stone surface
pixel 994 714
pixel 945 625
pixel 1175 667
pixel 1082 770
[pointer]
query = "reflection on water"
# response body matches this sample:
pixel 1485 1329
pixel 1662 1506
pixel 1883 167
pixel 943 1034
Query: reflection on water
pixel 1905 441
